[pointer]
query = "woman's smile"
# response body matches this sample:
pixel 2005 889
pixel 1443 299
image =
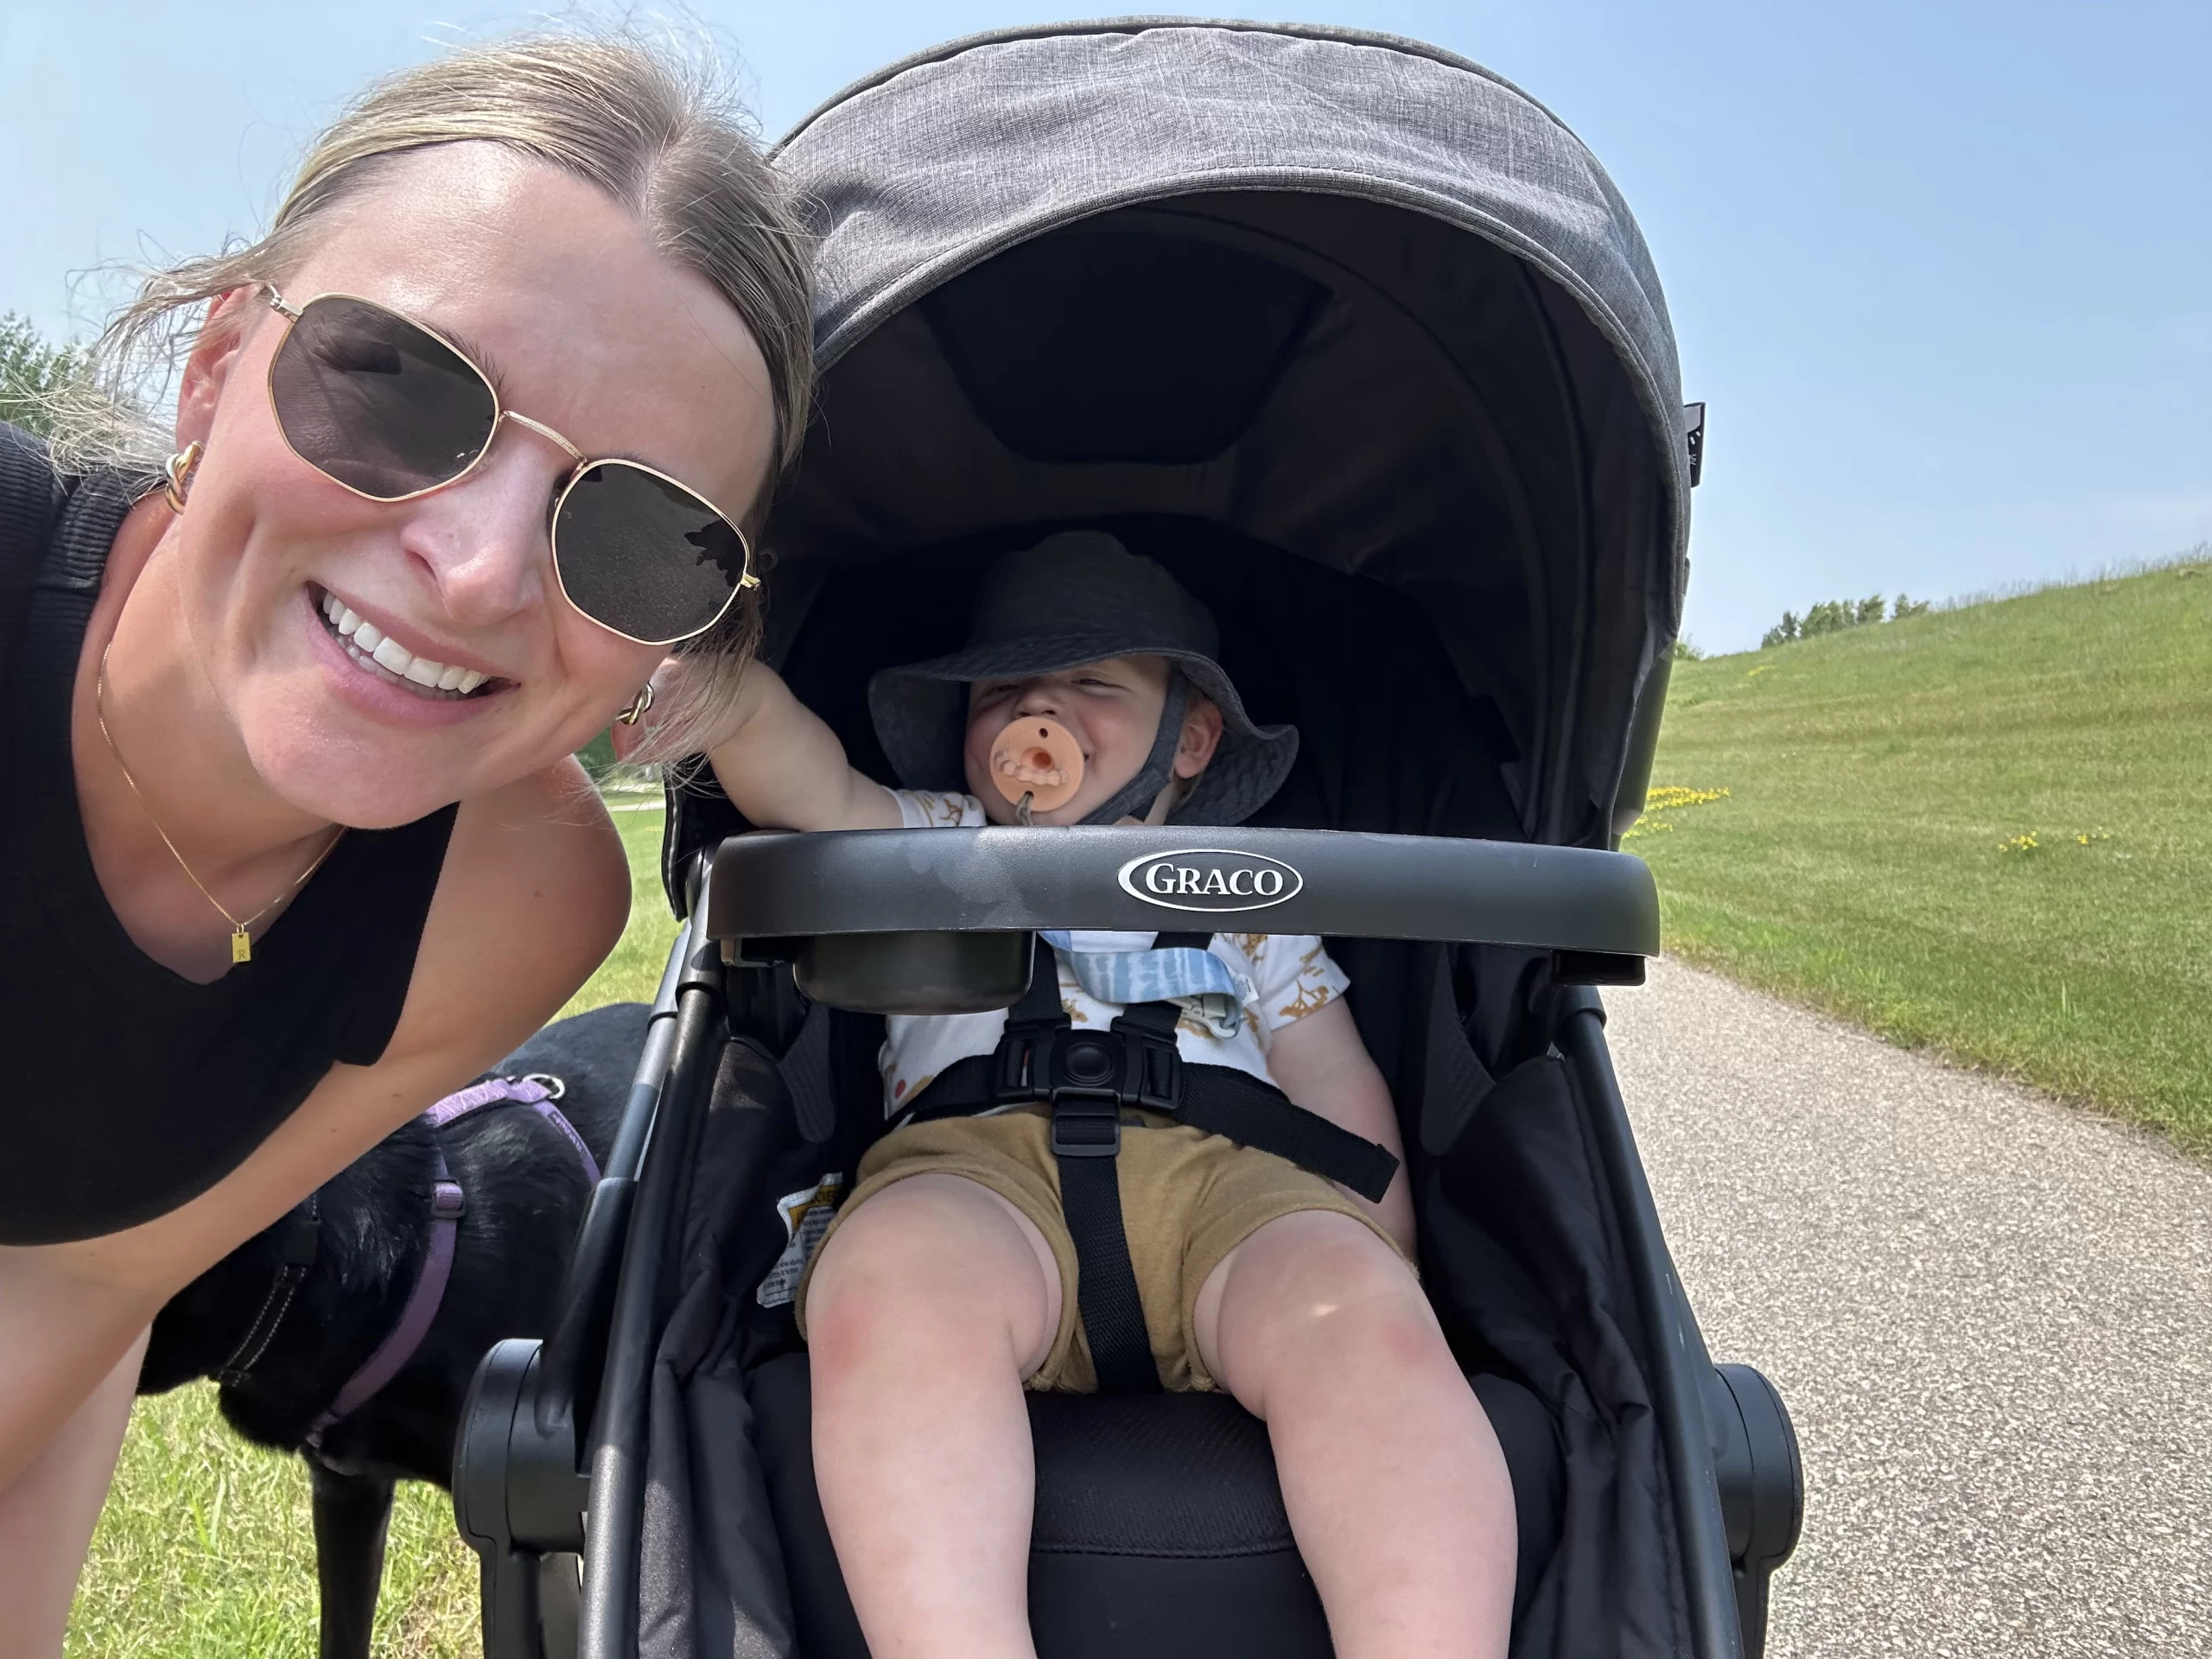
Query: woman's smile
pixel 372 648
pixel 385 680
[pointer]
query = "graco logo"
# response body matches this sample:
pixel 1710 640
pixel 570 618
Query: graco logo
pixel 1210 878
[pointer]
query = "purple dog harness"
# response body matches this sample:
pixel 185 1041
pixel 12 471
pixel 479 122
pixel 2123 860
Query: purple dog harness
pixel 538 1092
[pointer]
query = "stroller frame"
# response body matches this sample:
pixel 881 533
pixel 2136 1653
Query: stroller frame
pixel 524 1478
pixel 1500 537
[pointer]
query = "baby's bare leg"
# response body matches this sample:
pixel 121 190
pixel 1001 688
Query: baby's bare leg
pixel 927 1309
pixel 1397 1489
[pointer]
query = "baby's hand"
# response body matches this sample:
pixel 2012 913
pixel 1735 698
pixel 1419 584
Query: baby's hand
pixel 777 763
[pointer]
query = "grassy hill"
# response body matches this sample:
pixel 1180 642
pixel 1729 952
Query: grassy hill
pixel 1985 831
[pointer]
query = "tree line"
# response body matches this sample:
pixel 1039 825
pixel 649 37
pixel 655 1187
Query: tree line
pixel 1834 615
pixel 32 370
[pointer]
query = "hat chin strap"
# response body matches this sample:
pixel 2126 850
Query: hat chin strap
pixel 1151 793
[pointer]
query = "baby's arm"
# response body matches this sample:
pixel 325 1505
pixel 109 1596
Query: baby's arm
pixel 785 769
pixel 1320 1063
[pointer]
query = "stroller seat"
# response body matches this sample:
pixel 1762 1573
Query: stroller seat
pixel 1159 1524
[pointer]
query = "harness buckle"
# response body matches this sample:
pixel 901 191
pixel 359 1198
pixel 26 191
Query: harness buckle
pixel 1152 1067
pixel 1130 1065
pixel 448 1202
pixel 1022 1067
pixel 1086 1124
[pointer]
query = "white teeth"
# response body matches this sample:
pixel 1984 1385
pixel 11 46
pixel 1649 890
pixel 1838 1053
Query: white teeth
pixel 366 638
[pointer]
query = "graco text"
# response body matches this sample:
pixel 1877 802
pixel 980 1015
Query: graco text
pixel 1211 878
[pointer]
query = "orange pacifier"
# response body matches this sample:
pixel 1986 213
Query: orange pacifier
pixel 1036 764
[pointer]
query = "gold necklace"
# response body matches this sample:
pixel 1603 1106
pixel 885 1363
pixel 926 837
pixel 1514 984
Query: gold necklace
pixel 241 941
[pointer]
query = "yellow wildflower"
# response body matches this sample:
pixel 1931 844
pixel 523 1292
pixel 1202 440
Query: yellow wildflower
pixel 1663 797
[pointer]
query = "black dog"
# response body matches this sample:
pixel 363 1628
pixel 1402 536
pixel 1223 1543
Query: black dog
pixel 284 1341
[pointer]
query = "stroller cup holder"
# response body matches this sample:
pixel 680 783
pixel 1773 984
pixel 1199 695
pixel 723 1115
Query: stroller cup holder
pixel 906 972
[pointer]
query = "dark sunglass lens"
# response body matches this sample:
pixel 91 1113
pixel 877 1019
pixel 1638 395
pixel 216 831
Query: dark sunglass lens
pixel 368 397
pixel 643 555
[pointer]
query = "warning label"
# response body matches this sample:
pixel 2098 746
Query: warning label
pixel 806 1217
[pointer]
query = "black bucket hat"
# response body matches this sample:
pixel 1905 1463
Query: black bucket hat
pixel 1081 597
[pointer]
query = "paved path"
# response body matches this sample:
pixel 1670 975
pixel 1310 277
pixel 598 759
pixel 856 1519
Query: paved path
pixel 1990 1318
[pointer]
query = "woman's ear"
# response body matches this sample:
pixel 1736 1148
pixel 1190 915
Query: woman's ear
pixel 208 369
pixel 669 685
pixel 1201 737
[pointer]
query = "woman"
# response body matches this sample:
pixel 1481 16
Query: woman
pixel 462 448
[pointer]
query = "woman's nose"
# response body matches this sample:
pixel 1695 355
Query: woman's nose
pixel 485 542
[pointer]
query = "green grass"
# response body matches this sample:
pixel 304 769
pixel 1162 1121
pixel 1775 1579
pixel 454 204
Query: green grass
pixel 631 972
pixel 206 1550
pixel 1987 832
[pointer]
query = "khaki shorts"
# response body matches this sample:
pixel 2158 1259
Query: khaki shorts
pixel 1188 1198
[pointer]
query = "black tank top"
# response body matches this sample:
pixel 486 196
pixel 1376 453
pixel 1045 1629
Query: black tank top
pixel 126 1089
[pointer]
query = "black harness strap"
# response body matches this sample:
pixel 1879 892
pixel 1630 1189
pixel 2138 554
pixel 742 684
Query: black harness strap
pixel 1180 942
pixel 1221 1101
pixel 1089 1078
pixel 1238 1106
pixel 1086 1140
pixel 294 1257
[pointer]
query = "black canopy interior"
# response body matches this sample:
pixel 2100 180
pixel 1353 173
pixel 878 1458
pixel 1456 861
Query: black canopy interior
pixel 1389 739
pixel 1409 473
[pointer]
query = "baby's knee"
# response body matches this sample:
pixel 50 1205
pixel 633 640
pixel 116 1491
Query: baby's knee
pixel 920 1263
pixel 1324 1277
pixel 891 1251
pixel 1336 1253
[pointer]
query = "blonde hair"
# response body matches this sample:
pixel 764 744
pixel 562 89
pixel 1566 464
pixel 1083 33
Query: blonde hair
pixel 654 130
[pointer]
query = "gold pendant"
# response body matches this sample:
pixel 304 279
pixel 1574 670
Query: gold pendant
pixel 241 946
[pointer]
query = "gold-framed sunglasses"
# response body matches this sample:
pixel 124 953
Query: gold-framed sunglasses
pixel 392 410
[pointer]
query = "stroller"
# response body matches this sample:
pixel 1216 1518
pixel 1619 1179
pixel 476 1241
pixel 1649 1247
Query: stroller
pixel 1359 342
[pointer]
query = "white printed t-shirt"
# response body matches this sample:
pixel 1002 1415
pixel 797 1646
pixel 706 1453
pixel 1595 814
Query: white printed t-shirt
pixel 1282 977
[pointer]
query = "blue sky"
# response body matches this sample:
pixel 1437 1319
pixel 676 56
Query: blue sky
pixel 1942 270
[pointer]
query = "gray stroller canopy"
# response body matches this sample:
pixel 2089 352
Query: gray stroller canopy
pixel 1339 294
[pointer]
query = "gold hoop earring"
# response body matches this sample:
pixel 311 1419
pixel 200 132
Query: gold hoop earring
pixel 180 467
pixel 639 706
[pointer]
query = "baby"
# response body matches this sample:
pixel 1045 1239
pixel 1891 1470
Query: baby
pixel 950 1280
